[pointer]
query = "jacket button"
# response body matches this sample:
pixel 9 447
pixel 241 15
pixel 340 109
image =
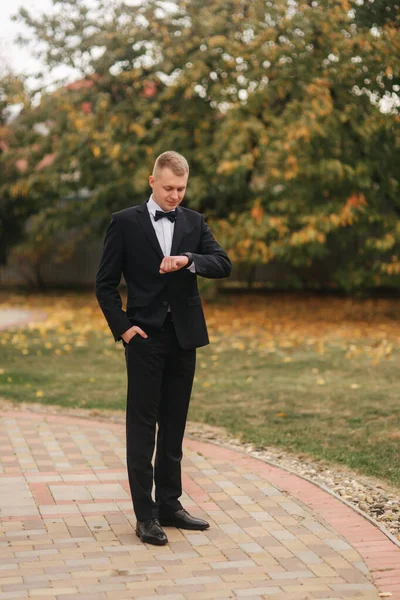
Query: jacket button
pixel 165 303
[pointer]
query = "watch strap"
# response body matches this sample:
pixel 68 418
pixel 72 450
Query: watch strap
pixel 189 256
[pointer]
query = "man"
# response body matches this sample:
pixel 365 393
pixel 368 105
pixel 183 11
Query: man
pixel 160 248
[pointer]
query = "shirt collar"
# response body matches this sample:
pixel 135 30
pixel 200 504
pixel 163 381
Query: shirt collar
pixel 152 206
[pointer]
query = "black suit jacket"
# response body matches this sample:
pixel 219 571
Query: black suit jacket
pixel 131 248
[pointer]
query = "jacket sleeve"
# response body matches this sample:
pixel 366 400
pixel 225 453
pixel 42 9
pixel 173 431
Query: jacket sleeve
pixel 108 279
pixel 211 262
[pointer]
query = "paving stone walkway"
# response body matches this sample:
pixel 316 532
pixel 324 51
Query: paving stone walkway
pixel 13 316
pixel 18 317
pixel 68 528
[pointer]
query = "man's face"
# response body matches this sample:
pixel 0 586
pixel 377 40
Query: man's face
pixel 168 188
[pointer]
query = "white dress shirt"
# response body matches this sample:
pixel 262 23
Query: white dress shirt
pixel 164 229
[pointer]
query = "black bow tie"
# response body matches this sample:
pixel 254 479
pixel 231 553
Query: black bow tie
pixel 170 215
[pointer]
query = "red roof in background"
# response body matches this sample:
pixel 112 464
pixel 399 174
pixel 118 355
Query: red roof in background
pixel 86 107
pixel 21 164
pixel 81 84
pixel 150 89
pixel 46 161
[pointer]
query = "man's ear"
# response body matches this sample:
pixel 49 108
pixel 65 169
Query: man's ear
pixel 151 180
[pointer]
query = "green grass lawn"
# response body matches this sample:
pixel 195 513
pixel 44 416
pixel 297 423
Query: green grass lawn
pixel 321 401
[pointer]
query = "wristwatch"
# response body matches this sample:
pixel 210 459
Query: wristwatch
pixel 190 257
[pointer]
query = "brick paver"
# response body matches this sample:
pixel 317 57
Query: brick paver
pixel 68 528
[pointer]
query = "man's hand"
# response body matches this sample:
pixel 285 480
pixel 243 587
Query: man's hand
pixel 130 333
pixel 173 263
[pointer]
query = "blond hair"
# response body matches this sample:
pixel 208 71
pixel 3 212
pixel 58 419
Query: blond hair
pixel 171 160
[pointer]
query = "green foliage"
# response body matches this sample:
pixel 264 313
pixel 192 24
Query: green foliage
pixel 287 117
pixel 16 204
pixel 376 13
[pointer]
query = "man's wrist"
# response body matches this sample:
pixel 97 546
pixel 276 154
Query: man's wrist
pixel 127 332
pixel 189 256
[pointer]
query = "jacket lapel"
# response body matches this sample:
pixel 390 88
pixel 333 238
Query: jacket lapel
pixel 179 230
pixel 147 226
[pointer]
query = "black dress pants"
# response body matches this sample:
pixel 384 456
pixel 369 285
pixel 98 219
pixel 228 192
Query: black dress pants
pixel 160 378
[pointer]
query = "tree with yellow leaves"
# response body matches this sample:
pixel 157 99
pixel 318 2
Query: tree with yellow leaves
pixel 287 113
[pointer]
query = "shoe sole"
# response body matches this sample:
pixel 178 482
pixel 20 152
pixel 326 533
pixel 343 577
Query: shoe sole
pixel 154 542
pixel 184 526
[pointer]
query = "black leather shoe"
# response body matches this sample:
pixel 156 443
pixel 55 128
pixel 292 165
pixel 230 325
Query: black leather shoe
pixel 183 520
pixel 150 532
